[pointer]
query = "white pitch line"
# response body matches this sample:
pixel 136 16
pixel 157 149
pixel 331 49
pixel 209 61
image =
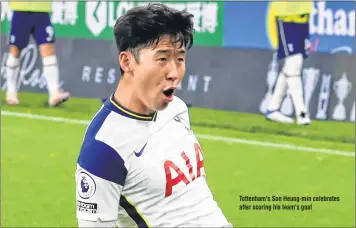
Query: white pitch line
pixel 202 136
pixel 277 145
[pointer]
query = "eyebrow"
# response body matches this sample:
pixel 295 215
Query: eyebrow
pixel 163 51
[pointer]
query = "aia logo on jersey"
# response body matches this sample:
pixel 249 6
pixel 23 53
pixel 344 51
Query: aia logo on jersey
pixel 197 168
pixel 85 185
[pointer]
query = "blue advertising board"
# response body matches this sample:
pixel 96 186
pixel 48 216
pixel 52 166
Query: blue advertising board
pixel 252 25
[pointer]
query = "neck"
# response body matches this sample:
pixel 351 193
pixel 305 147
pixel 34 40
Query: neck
pixel 125 96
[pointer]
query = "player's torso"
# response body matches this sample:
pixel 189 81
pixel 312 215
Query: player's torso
pixel 30 6
pixel 166 181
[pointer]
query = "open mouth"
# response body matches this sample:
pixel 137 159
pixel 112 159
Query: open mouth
pixel 169 93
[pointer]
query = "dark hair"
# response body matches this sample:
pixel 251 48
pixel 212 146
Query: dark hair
pixel 143 26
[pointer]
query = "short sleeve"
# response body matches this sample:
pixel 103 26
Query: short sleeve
pixel 100 176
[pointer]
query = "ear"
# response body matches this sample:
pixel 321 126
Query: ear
pixel 125 61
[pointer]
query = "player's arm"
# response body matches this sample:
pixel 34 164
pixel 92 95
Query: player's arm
pixel 99 223
pixel 100 176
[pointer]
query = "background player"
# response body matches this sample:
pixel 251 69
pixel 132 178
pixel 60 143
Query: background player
pixel 140 164
pixel 33 18
pixel 292 20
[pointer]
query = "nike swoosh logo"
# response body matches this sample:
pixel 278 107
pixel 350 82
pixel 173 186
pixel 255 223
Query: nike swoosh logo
pixel 138 154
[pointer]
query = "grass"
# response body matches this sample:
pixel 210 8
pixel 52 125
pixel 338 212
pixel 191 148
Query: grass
pixel 38 162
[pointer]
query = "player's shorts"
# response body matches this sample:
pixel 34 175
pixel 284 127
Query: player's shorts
pixel 37 24
pixel 293 33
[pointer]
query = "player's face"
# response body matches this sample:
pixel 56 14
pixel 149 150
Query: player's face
pixel 158 73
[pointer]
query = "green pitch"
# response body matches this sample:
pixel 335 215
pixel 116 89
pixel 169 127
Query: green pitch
pixel 38 161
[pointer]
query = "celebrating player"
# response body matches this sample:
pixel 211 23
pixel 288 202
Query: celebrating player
pixel 33 18
pixel 293 44
pixel 140 164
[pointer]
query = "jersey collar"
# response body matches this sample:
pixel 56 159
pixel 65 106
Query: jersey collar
pixel 111 104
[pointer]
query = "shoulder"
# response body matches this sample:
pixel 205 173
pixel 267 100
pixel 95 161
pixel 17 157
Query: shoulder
pixel 177 106
pixel 101 160
pixel 174 108
pixel 108 143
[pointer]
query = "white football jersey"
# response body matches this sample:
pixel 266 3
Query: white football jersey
pixel 144 170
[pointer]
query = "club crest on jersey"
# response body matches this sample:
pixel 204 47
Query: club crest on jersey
pixel 85 185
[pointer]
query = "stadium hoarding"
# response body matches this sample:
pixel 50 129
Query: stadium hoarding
pixel 239 80
pixel 332 26
pixel 227 24
pixel 95 19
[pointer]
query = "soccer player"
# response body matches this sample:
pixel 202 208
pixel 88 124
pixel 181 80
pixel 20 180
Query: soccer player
pixel 33 18
pixel 292 20
pixel 140 163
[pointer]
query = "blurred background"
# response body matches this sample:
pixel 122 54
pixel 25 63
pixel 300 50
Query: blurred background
pixel 231 67
pixel 230 76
